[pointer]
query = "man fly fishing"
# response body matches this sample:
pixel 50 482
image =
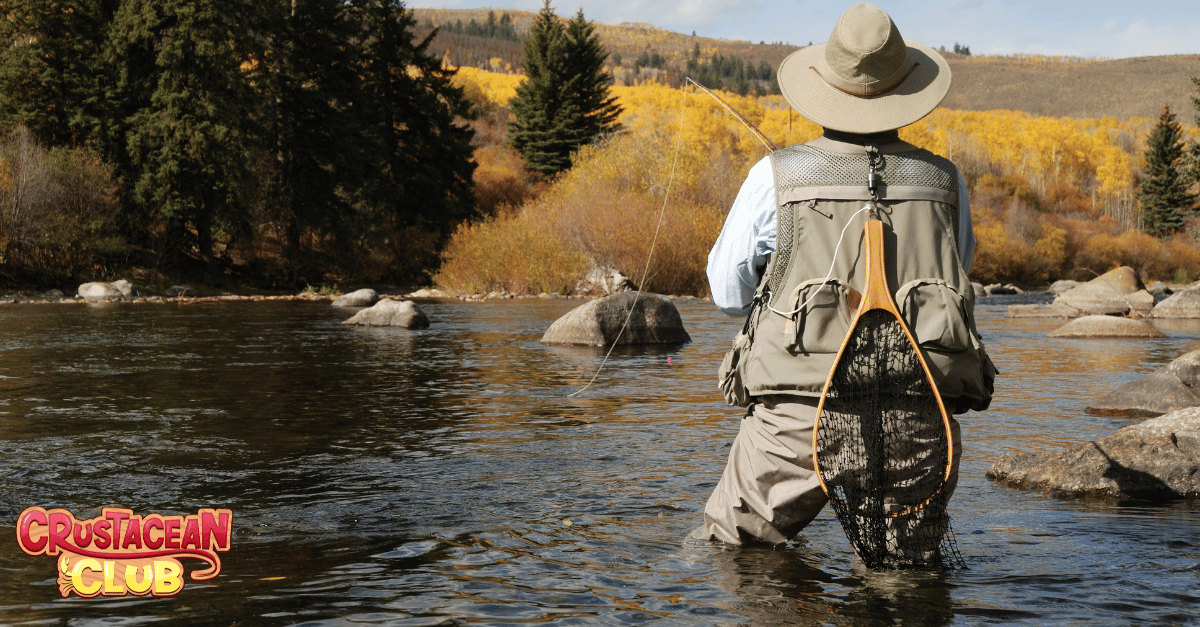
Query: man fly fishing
pixel 793 258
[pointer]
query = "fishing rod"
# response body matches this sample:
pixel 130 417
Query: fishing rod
pixel 762 137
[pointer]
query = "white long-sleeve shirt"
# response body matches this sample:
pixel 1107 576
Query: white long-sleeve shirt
pixel 738 259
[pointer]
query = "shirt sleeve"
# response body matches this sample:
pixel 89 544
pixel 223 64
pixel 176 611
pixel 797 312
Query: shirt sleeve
pixel 966 232
pixel 738 259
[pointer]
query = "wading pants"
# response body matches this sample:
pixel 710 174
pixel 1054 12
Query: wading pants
pixel 769 491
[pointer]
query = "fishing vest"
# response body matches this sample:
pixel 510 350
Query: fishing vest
pixel 800 318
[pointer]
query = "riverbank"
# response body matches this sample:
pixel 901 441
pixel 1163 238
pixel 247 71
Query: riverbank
pixel 185 296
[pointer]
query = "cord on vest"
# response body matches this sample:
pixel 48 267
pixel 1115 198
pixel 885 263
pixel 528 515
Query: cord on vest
pixel 793 312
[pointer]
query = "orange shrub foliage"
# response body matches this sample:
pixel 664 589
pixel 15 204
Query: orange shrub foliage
pixel 514 251
pixel 604 212
pixel 501 181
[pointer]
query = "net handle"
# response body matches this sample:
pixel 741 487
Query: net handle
pixel 877 295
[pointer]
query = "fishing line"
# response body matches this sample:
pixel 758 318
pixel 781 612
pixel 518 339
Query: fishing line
pixel 653 242
pixel 762 137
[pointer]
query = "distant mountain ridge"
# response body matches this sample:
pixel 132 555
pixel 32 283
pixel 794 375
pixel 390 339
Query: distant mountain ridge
pixel 1043 86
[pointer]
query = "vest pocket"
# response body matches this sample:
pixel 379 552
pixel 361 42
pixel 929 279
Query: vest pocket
pixel 936 314
pixel 822 312
pixel 729 374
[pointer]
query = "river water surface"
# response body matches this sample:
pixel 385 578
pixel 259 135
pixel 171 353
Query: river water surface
pixel 444 476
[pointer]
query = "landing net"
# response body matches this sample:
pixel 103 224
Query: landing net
pixel 884 451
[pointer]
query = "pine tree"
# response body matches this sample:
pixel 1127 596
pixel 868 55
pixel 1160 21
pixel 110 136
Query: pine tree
pixel 588 83
pixel 539 130
pixel 306 84
pixel 564 102
pixel 186 109
pixel 51 67
pixel 410 112
pixel 1166 202
pixel 1195 149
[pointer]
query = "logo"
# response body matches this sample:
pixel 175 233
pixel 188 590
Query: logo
pixel 119 553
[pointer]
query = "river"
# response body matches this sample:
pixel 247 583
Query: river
pixel 444 476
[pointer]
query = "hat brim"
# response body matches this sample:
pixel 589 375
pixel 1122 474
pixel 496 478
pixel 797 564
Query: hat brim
pixel 914 98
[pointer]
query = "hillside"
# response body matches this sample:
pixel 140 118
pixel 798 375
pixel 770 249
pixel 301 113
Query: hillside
pixel 1079 88
pixel 1117 88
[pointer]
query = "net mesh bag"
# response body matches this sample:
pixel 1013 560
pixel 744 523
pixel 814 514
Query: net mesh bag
pixel 884 449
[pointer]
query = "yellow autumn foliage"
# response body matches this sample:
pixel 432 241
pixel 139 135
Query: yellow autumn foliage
pixel 1052 195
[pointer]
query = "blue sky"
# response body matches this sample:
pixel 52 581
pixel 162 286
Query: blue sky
pixel 1100 28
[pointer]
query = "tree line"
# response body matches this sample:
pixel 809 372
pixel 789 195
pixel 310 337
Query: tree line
pixel 277 141
pixel 493 28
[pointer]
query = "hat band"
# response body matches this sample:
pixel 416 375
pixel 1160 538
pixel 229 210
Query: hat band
pixel 881 92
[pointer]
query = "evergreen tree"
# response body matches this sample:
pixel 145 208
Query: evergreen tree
pixel 564 102
pixel 421 184
pixel 1166 202
pixel 51 67
pixel 540 130
pixel 588 83
pixel 1195 149
pixel 186 128
pixel 308 154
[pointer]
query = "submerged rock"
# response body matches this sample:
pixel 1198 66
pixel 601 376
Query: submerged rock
pixel 655 320
pixel 391 313
pixel 359 298
pixel 1041 311
pixel 1157 460
pixel 1107 326
pixel 1002 290
pixel 1170 388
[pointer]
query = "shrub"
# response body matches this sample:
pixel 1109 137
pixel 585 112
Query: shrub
pixel 603 213
pixel 57 210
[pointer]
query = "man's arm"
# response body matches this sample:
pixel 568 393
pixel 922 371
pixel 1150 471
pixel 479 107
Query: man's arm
pixel 737 260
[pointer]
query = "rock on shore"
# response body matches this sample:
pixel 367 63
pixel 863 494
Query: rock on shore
pixel 1155 460
pixel 1182 304
pixel 391 313
pixel 365 297
pixel 655 320
pixel 1170 388
pixel 1107 326
pixel 1117 292
pixel 98 292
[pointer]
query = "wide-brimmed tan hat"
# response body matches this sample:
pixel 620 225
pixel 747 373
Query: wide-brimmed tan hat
pixel 866 78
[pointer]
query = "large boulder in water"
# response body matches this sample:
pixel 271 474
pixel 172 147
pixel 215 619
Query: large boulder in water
pixel 391 313
pixel 365 297
pixel 1107 294
pixel 1107 326
pixel 1157 460
pixel 1173 387
pixel 654 320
